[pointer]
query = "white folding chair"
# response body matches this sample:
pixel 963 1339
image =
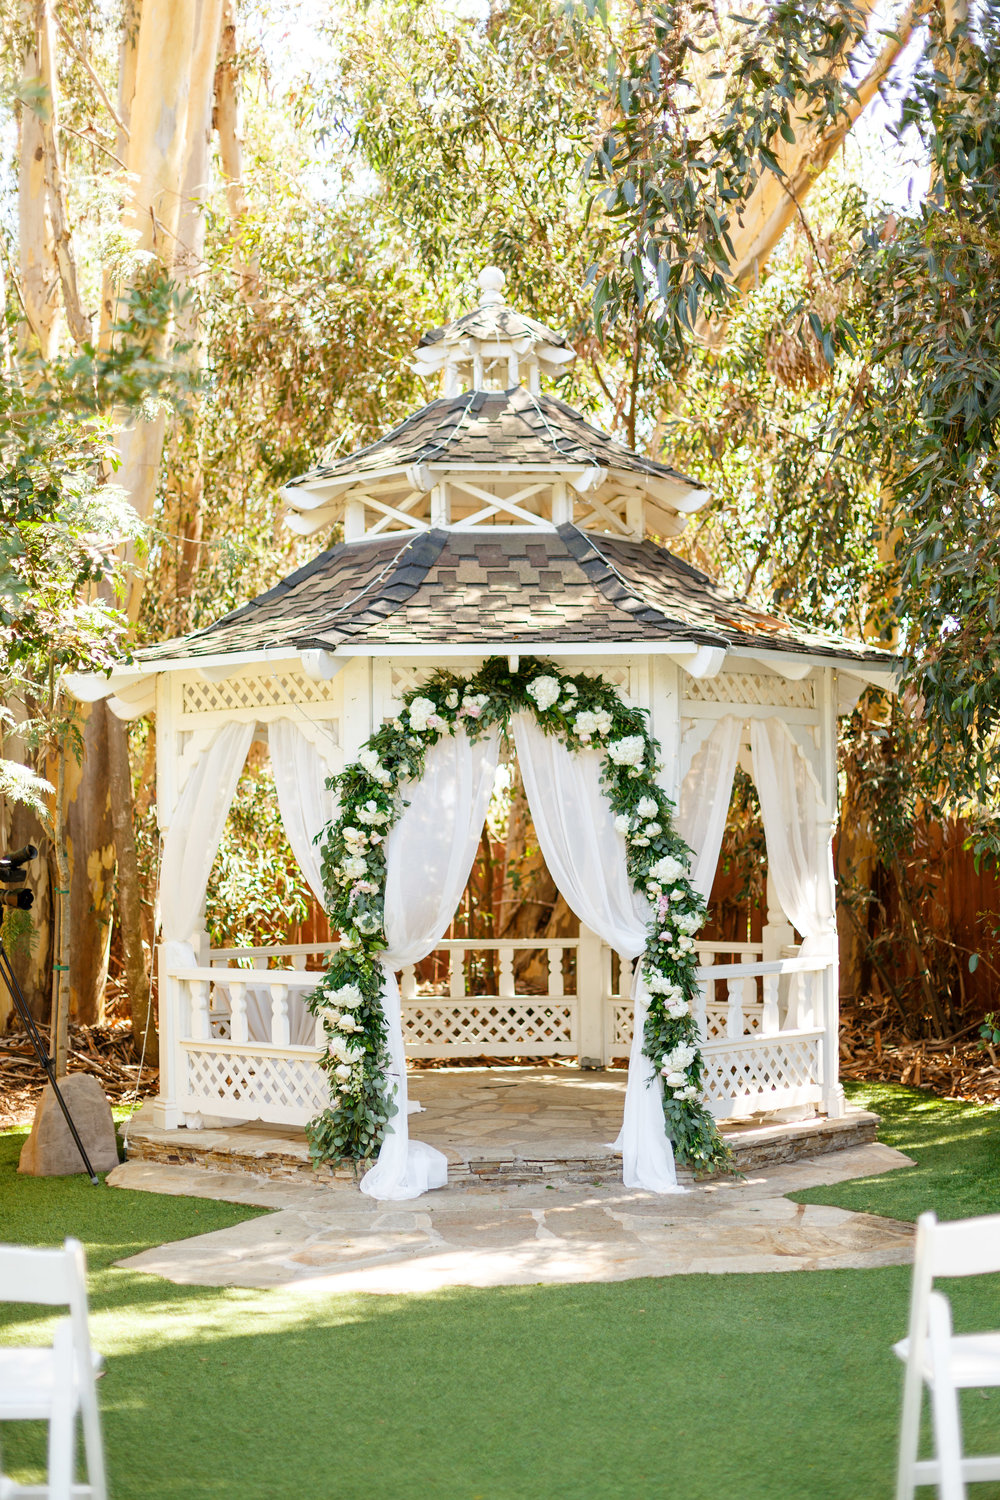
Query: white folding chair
pixel 52 1384
pixel 944 1361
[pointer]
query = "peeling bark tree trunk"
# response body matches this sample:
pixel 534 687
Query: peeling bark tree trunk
pixel 79 323
pixel 36 246
pixel 246 267
pixel 174 65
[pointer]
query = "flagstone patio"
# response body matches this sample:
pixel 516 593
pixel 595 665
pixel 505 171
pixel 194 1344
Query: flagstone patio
pixel 535 1196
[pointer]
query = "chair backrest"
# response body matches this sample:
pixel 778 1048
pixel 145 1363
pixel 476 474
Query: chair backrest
pixel 49 1278
pixel 969 1247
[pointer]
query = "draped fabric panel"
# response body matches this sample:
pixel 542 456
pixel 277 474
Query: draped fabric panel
pixel 585 855
pixel 429 856
pixel 704 800
pixel 797 833
pixel 300 773
pixel 192 840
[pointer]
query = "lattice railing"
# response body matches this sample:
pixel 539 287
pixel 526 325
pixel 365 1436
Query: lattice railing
pixel 248 1083
pixel 486 1025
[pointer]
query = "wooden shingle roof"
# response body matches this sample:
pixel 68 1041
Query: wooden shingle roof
pixel 503 587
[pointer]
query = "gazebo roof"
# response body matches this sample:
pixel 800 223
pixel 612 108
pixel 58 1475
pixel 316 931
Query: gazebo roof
pixel 493 429
pixel 502 591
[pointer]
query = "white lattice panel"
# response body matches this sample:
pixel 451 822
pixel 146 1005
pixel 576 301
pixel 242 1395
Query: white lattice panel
pixel 619 1024
pixel 404 679
pixel 753 1077
pixel 750 687
pixel 521 1027
pixel 274 690
pixel 245 1084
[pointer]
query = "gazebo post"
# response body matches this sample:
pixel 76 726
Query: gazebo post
pixel 834 1101
pixel 591 1045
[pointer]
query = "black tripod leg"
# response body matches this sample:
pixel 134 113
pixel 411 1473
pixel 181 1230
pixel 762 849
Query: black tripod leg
pixel 28 1020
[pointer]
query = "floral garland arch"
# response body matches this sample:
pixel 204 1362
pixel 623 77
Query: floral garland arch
pixel 586 712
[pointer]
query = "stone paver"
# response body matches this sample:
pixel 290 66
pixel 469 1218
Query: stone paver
pixel 334 1239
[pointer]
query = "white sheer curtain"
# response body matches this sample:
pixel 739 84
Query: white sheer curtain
pixel 704 800
pixel 428 858
pixel 300 773
pixel 586 858
pixel 192 839
pixel 798 837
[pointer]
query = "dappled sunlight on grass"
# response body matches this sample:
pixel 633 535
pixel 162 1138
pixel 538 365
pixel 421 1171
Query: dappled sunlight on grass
pixel 956 1148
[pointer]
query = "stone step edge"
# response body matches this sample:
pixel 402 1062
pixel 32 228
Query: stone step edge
pixel 767 1146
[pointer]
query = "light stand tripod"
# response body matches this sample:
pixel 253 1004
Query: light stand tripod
pixel 12 872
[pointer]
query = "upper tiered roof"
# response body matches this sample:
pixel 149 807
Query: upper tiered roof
pixel 493 450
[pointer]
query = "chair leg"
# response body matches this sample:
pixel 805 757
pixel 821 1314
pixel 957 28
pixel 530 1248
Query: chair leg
pixel 92 1440
pixel 62 1420
pixel 909 1435
pixel 944 1403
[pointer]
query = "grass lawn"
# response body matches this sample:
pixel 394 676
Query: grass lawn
pixel 770 1387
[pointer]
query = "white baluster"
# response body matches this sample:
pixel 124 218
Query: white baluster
pixel 201 1026
pixel 238 1029
pixel 769 1024
pixel 809 1010
pixel 408 983
pixel 706 987
pixel 792 1021
pixel 319 1034
pixel 299 961
pixel 505 978
pixel 280 1031
pixel 456 973
pixel 556 989
pixel 734 1013
pixel 749 999
pixel 259 961
pixel 625 977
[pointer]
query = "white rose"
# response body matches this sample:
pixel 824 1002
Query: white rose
pixel 354 836
pixel 687 921
pixel 545 691
pixel 353 867
pixel 681 1057
pixel 642 843
pixel 375 838
pixel 647 808
pixel 602 722
pixel 676 1009
pixel 622 823
pixel 585 724
pixel 689 1092
pixel 676 1080
pixel 342 1071
pixel 653 829
pixel 629 751
pixel 452 699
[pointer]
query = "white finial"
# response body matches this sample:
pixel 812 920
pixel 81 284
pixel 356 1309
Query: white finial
pixel 490 282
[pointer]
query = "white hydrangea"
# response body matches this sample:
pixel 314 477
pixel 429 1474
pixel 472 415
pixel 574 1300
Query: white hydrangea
pixel 647 808
pixel 474 703
pixel 544 691
pixel 622 823
pixel 421 710
pixel 585 724
pixel 353 867
pixel 681 1057
pixel 676 1009
pixel 369 761
pixel 688 1092
pixel 653 829
pixel 629 751
pixel 602 722
pixel 667 869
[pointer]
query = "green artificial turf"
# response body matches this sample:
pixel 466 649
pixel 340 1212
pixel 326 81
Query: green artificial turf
pixel 956 1148
pixel 770 1387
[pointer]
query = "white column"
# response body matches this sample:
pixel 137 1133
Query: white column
pixel 828 999
pixel 165 1112
pixel 590 1034
pixel 665 718
pixel 778 932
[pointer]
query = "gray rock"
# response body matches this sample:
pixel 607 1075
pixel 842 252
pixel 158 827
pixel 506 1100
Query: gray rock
pixel 50 1150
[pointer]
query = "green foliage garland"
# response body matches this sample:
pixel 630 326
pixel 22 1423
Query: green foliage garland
pixel 586 713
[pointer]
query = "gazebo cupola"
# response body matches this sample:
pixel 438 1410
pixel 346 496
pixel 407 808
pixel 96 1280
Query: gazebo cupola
pixel 494 449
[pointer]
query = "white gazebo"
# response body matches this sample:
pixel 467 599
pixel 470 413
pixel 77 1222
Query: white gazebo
pixel 496 521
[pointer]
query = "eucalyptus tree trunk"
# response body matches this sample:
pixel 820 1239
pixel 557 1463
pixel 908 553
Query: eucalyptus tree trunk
pixel 168 69
pixel 59 1044
pixel 38 273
